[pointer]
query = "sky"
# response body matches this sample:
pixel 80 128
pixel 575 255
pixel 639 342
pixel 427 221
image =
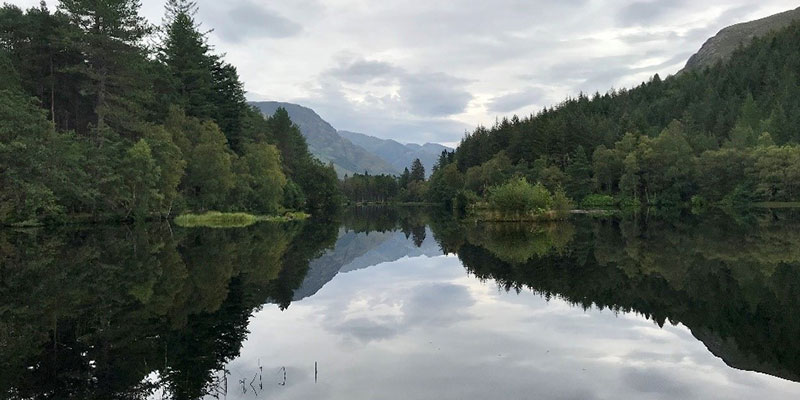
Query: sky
pixel 428 71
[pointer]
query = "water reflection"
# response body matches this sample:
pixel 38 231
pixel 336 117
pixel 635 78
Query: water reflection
pixel 88 313
pixel 380 302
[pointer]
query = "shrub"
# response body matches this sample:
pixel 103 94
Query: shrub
pixel 519 195
pixel 562 204
pixel 598 201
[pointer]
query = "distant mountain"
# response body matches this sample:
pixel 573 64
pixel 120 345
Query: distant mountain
pixel 326 144
pixel 397 154
pixel 723 44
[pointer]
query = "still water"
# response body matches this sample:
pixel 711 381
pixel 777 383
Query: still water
pixel 399 304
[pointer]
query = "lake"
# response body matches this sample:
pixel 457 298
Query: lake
pixel 406 304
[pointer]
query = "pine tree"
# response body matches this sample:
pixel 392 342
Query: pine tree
pixel 405 177
pixel 185 53
pixel 579 175
pixel 417 171
pixel 110 33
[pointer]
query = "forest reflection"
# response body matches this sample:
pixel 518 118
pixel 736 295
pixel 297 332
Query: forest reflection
pixel 89 313
pixel 733 281
pixel 119 312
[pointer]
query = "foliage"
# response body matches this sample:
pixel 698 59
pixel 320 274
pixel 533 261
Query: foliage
pixel 715 133
pixel 598 201
pixel 97 122
pixel 216 219
pixel 562 204
pixel 520 196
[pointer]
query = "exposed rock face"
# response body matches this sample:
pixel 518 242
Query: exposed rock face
pixel 326 144
pixel 722 46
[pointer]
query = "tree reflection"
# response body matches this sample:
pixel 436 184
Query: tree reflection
pixel 89 313
pixel 734 286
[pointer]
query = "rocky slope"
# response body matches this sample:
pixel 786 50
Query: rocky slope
pixel 723 44
pixel 325 143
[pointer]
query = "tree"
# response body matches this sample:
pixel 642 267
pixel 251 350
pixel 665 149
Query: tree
pixel 445 183
pixel 141 178
pixel 109 35
pixel 259 179
pixel 208 175
pixel 202 84
pixel 417 171
pixel 186 54
pixel 579 173
pixel 608 167
pixel 405 178
pixel 171 164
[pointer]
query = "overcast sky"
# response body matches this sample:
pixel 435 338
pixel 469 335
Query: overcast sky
pixel 426 71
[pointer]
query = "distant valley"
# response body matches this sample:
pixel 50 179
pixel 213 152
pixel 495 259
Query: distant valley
pixel 352 152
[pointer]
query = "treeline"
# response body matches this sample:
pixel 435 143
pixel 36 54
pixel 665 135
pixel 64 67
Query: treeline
pixel 726 134
pixel 409 187
pixel 103 115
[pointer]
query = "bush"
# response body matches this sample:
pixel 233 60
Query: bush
pixel 463 200
pixel 598 201
pixel 562 204
pixel 519 195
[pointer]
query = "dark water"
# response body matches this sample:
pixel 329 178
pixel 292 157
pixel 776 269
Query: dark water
pixel 402 304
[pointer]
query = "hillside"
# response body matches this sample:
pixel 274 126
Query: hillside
pixel 326 144
pixel 397 154
pixel 726 134
pixel 723 44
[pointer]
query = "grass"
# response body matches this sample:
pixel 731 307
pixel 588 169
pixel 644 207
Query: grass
pixel 216 219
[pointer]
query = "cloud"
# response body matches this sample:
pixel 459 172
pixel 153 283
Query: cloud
pixel 247 21
pixel 648 12
pixel 516 100
pixel 423 306
pixel 434 94
pixel 427 70
pixel 363 71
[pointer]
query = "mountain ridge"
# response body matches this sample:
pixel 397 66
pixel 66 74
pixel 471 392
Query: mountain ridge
pixel 399 155
pixel 721 46
pixel 326 144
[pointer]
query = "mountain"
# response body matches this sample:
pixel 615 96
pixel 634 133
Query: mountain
pixel 326 144
pixel 397 154
pixel 723 44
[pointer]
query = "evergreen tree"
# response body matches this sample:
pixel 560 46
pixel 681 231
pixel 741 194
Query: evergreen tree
pixel 186 54
pixel 579 175
pixel 109 34
pixel 417 171
pixel 405 178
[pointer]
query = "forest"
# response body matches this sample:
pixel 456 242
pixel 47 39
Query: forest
pixel 106 117
pixel 724 136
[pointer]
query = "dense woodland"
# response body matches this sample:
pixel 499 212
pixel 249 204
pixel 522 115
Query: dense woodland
pixel 106 116
pixel 409 187
pixel 728 134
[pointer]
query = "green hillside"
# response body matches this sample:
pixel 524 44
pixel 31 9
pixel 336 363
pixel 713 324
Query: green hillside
pixel 727 134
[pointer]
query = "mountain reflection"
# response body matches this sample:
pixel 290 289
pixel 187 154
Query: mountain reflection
pixel 120 312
